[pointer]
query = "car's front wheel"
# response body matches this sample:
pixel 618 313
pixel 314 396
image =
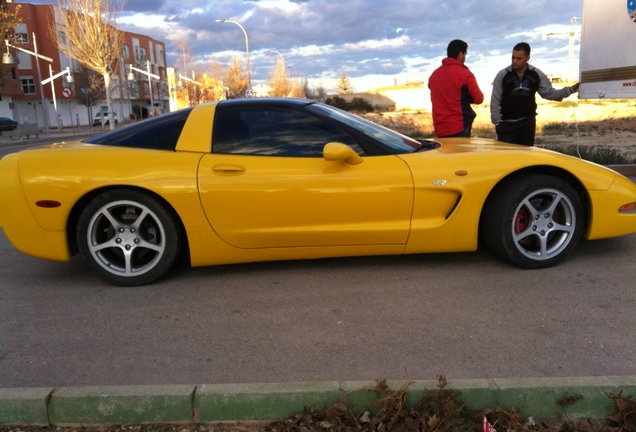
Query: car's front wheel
pixel 534 222
pixel 128 238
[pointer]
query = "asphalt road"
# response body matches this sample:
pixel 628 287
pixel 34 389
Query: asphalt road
pixel 463 315
pixel 8 145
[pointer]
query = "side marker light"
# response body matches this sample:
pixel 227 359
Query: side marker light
pixel 628 208
pixel 48 203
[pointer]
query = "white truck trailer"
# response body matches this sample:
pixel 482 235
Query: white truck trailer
pixel 607 61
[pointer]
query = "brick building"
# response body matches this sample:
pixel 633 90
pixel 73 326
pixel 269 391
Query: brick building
pixel 59 103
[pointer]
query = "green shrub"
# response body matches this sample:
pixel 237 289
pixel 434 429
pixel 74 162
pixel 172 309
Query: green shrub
pixel 360 105
pixel 556 128
pixel 338 102
pixel 357 104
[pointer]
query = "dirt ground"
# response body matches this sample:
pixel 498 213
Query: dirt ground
pixel 571 122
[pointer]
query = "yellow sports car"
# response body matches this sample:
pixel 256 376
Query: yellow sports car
pixel 275 179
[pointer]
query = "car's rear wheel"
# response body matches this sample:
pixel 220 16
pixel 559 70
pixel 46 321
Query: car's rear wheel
pixel 534 222
pixel 128 238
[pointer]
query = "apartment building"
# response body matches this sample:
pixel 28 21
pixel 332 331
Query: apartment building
pixel 29 95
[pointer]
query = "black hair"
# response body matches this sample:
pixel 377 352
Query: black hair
pixel 455 47
pixel 522 46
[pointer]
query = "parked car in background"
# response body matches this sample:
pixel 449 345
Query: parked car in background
pixel 7 124
pixel 97 120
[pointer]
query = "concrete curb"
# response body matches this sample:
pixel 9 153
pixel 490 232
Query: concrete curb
pixel 207 403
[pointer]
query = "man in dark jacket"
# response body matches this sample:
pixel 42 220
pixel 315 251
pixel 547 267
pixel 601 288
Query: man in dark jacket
pixel 453 89
pixel 513 106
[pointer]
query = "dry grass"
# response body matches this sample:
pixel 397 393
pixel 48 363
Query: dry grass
pixel 571 122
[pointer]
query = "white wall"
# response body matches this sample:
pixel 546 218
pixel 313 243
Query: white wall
pixel 70 112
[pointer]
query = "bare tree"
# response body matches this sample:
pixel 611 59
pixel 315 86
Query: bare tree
pixel 188 91
pixel 88 33
pixel 212 83
pixel 184 61
pixel 8 20
pixel 235 79
pixel 279 84
pixel 91 86
pixel 318 93
pixel 299 87
pixel 8 23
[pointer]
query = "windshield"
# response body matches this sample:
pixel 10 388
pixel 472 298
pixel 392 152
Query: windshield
pixel 396 141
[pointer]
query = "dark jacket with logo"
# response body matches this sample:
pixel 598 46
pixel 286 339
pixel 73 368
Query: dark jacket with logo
pixel 513 96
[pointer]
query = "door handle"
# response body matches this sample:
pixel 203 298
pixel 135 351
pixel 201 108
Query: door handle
pixel 228 169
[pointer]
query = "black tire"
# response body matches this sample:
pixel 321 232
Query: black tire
pixel 534 222
pixel 128 238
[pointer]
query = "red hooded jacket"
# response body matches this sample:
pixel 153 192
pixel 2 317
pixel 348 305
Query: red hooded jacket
pixel 453 88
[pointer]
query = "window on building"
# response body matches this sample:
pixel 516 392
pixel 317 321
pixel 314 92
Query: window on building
pixel 160 55
pixel 151 52
pixel 142 54
pixel 126 53
pixel 20 34
pixel 21 38
pixel 12 73
pixel 61 37
pixel 28 85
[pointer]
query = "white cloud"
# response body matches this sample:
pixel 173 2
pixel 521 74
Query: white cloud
pixel 372 39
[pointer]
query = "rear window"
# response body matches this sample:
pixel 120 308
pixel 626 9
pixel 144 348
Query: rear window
pixel 159 133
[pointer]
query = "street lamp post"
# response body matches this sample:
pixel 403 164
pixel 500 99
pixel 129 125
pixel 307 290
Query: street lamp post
pixel 247 53
pixel 69 79
pixel 280 55
pixel 7 58
pixel 131 77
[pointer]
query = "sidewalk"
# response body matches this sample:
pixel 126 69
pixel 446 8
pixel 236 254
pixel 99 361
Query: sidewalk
pixel 540 398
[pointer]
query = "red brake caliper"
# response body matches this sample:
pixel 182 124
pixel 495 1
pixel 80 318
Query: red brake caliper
pixel 521 221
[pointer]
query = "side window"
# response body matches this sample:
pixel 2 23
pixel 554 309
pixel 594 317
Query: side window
pixel 159 133
pixel 275 131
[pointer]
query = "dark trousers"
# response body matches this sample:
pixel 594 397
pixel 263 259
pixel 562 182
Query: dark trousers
pixel 517 132
pixel 462 134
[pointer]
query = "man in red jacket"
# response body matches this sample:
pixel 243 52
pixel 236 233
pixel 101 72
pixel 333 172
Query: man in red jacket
pixel 453 89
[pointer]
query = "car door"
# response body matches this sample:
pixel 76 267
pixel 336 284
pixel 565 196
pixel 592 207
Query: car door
pixel 269 186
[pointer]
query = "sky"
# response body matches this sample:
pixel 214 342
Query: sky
pixel 376 43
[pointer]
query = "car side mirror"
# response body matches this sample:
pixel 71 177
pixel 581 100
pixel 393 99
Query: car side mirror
pixel 335 151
